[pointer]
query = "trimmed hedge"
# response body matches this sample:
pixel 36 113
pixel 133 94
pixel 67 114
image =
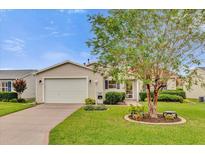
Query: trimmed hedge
pixel 143 95
pixel 114 97
pixel 95 107
pixel 174 92
pixel 170 98
pixel 8 95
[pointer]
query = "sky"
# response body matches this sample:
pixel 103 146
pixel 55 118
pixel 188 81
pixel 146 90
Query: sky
pixel 35 39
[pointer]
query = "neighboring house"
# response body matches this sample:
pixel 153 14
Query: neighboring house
pixel 69 82
pixel 8 76
pixel 197 90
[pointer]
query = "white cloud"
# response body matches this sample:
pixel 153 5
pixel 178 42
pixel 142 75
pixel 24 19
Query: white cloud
pixel 7 68
pixel 62 34
pixel 49 28
pixel 54 33
pixel 14 45
pixel 51 22
pixel 72 11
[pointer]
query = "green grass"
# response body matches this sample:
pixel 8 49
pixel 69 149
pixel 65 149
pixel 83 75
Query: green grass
pixel 194 100
pixel 6 107
pixel 109 127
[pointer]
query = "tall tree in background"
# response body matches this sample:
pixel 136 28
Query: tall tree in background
pixel 149 45
pixel 19 86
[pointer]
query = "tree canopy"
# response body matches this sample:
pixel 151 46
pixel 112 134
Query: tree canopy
pixel 150 45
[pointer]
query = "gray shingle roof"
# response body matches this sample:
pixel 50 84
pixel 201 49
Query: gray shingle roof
pixel 203 68
pixel 15 74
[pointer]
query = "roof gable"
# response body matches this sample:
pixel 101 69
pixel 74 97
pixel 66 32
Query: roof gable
pixel 60 64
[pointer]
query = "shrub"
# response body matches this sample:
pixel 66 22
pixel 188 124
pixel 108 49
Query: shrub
pixel 169 117
pixel 89 101
pixel 8 95
pixel 21 100
pixel 114 97
pixel 139 109
pixel 14 100
pixel 170 98
pixel 179 88
pixel 100 107
pixel 95 107
pixel 174 92
pixel 4 100
pixel 137 112
pixel 187 101
pixel 89 107
pixel 143 95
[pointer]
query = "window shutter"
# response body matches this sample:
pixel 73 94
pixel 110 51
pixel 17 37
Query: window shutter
pixel 118 86
pixel 106 84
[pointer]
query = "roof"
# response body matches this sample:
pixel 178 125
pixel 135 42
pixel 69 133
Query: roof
pixel 15 74
pixel 90 64
pixel 62 63
pixel 203 68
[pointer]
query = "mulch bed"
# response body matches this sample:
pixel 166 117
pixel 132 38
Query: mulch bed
pixel 160 119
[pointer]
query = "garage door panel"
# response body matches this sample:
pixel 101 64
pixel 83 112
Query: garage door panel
pixel 65 90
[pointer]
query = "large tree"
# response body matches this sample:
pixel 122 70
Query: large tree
pixel 149 45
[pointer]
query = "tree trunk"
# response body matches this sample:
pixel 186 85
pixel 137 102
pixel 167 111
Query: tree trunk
pixel 19 95
pixel 151 105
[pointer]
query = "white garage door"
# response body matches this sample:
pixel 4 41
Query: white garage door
pixel 72 90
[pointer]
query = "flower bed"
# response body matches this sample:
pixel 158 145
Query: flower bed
pixel 160 120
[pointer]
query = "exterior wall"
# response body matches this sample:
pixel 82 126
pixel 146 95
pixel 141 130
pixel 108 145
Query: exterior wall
pixel 136 88
pixel 171 84
pixel 70 70
pixel 196 91
pixel 30 92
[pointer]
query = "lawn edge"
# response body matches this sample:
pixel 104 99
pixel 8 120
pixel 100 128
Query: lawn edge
pixel 33 105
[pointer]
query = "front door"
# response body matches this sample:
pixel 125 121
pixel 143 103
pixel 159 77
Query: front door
pixel 129 89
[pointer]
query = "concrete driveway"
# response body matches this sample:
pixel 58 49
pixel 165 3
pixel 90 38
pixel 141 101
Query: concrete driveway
pixel 32 126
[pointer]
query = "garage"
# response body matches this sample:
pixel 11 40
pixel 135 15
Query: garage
pixel 65 90
pixel 67 82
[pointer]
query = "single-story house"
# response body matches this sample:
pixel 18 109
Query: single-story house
pixel 8 76
pixel 197 90
pixel 70 82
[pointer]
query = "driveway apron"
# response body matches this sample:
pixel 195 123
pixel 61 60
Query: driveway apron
pixel 32 126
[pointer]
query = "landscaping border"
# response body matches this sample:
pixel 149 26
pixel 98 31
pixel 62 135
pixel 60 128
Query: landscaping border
pixel 126 117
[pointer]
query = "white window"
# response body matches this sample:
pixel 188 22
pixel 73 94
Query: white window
pixel 5 85
pixel 111 84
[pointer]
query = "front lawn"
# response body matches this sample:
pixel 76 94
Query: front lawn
pixel 6 107
pixel 109 127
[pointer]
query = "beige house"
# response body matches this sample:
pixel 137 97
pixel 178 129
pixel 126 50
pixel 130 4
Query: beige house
pixel 8 76
pixel 69 82
pixel 197 90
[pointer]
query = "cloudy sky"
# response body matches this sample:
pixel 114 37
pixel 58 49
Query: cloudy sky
pixel 34 39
